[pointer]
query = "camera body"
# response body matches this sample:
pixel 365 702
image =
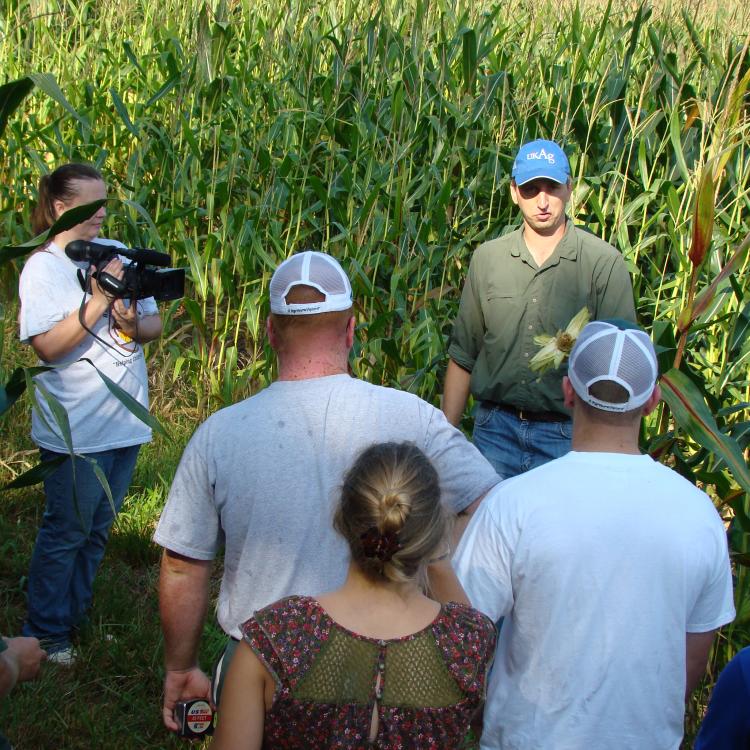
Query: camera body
pixel 140 279
pixel 138 282
pixel 195 717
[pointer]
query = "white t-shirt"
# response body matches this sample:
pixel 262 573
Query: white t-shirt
pixel 50 290
pixel 600 563
pixel 263 478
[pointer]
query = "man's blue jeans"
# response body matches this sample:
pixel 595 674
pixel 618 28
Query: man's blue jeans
pixel 514 445
pixel 71 540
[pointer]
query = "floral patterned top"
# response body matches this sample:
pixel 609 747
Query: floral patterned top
pixel 339 689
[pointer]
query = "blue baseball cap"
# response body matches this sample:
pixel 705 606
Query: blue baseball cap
pixel 540 159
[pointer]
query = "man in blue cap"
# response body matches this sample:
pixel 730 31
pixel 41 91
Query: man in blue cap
pixel 532 281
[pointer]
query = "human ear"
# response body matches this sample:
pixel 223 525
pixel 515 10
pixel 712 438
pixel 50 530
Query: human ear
pixel 514 192
pixel 271 333
pixel 653 401
pixel 58 207
pixel 568 392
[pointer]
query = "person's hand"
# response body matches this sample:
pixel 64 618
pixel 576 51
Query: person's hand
pixel 98 295
pixel 27 654
pixel 182 685
pixel 126 317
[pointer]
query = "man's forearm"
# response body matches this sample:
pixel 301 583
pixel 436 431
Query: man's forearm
pixel 455 392
pixel 697 648
pixel 183 601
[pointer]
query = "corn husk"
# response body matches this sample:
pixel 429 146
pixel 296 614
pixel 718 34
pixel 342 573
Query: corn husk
pixel 555 349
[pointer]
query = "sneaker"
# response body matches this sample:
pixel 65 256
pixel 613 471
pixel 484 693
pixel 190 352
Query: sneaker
pixel 65 657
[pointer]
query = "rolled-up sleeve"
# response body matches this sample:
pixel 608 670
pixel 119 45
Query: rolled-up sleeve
pixel 468 328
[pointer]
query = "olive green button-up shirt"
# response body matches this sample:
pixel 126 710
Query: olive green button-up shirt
pixel 508 299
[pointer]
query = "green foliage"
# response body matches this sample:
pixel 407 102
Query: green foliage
pixel 383 135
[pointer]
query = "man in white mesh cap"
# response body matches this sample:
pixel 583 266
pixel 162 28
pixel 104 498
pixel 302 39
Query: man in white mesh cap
pixel 611 572
pixel 260 478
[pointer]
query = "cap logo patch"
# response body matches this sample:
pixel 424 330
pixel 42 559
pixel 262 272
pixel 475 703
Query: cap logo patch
pixel 541 154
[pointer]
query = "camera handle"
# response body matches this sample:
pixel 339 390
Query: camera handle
pixel 110 284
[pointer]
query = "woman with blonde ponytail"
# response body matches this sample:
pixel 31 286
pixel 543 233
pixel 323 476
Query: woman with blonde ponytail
pixel 376 663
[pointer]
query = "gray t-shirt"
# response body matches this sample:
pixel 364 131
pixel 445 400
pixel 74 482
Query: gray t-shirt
pixel 263 477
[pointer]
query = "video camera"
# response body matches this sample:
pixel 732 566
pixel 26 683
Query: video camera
pixel 138 280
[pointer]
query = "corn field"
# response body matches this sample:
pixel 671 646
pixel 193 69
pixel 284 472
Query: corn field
pixel 234 133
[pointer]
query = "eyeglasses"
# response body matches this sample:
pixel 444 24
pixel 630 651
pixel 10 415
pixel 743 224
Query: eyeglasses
pixel 532 189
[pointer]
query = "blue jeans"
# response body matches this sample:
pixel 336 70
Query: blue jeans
pixel 71 540
pixel 514 445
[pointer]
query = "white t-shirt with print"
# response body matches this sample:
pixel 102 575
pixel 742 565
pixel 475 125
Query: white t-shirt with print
pixel 600 563
pixel 50 291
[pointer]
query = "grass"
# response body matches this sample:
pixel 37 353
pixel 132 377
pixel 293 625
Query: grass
pixel 111 697
pixel 234 133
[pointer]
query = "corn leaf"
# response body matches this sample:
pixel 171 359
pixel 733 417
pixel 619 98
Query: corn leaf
pixel 48 84
pixel 66 221
pixel 36 473
pixel 741 330
pixel 11 96
pixel 16 385
pixel 130 403
pixel 703 216
pixel 737 100
pixel 694 417
pixel 695 39
pixel 703 300
pixel 122 110
pixel 58 412
pixel 101 476
pixel 12 390
pixel 469 58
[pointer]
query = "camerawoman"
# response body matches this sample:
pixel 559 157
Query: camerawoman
pixel 81 332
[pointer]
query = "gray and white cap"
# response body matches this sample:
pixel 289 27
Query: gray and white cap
pixel 616 351
pixel 315 269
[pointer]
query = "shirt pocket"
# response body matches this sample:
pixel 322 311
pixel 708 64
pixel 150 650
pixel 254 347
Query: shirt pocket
pixel 503 308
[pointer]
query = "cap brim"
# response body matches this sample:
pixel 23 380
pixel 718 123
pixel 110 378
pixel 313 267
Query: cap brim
pixel 542 174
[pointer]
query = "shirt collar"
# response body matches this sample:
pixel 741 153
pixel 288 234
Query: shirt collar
pixel 566 248
pixel 568 245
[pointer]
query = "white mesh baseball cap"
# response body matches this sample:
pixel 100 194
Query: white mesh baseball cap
pixel 616 351
pixel 318 270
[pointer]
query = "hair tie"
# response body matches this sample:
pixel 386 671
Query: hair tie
pixel 380 544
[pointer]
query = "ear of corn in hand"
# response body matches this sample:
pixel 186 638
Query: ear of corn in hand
pixel 555 349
